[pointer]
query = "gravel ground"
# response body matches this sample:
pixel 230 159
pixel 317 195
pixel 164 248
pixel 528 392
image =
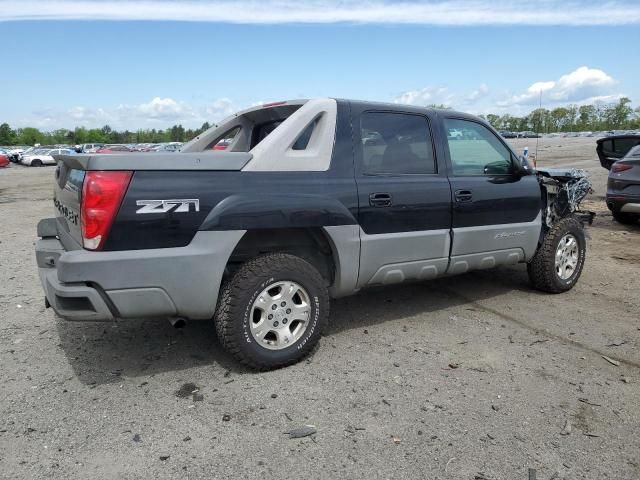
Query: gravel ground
pixel 471 377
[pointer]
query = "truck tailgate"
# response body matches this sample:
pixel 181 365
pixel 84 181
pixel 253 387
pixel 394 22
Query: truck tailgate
pixel 66 200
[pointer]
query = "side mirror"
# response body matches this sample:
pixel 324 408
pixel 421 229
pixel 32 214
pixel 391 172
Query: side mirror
pixel 522 166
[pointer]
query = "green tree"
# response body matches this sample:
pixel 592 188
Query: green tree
pixel 7 135
pixel 619 114
pixel 30 136
pixel 177 133
pixel 494 120
pixel 587 117
pixel 559 118
pixel 537 120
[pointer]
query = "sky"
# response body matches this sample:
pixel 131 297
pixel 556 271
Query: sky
pixel 155 63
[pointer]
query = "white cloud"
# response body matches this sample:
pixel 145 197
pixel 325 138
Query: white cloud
pixel 442 96
pixel 157 109
pixel 582 85
pixel 425 96
pixel 433 12
pixel 481 92
pixel 219 109
pixel 158 113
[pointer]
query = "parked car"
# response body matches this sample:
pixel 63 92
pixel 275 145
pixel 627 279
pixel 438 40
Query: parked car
pixel 261 235
pixel 613 148
pixel 623 188
pixel 28 151
pixel 455 134
pixel 13 152
pixel 38 158
pixel 114 149
pixel 167 147
pixel 508 134
pixel 530 135
pixel 4 159
pixel 88 147
pixel 45 156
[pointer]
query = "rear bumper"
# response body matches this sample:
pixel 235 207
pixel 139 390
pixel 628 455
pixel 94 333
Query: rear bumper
pixel 74 301
pixel 631 207
pixel 623 203
pixel 169 282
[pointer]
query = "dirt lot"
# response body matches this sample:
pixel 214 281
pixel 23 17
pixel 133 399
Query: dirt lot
pixel 472 377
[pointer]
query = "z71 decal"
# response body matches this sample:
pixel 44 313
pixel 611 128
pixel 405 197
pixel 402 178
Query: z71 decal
pixel 164 206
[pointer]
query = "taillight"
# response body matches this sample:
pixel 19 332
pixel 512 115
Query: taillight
pixel 620 167
pixel 102 194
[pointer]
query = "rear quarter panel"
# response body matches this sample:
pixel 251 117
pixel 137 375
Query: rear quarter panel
pixel 229 201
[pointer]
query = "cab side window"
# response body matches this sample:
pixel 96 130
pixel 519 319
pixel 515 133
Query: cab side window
pixel 396 144
pixel 475 150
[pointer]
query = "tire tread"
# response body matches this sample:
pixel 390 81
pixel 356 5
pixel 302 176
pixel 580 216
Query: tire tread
pixel 541 268
pixel 239 286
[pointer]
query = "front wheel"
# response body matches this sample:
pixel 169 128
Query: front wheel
pixel 558 263
pixel 37 163
pixel 272 311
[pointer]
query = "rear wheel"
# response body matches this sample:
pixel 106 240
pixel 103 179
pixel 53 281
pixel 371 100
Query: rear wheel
pixel 624 217
pixel 36 163
pixel 272 311
pixel 558 263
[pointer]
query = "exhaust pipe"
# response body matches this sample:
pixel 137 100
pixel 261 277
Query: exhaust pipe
pixel 178 322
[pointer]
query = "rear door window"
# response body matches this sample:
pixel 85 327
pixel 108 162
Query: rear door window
pixel 396 144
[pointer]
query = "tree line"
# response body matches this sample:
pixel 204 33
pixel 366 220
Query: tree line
pixel 571 118
pixel 80 135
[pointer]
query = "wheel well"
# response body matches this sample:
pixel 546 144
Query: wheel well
pixel 310 244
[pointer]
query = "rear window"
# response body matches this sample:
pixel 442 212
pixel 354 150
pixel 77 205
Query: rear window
pixel 244 132
pixel 634 152
pixel 260 132
pixel 607 146
pixel 622 145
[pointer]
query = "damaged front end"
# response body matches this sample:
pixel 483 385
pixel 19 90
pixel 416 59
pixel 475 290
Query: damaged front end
pixel 565 189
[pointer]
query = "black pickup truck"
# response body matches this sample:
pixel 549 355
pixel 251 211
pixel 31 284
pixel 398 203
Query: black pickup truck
pixel 259 221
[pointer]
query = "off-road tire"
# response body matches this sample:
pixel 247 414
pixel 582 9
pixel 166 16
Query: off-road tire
pixel 542 270
pixel 624 218
pixel 37 163
pixel 238 295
